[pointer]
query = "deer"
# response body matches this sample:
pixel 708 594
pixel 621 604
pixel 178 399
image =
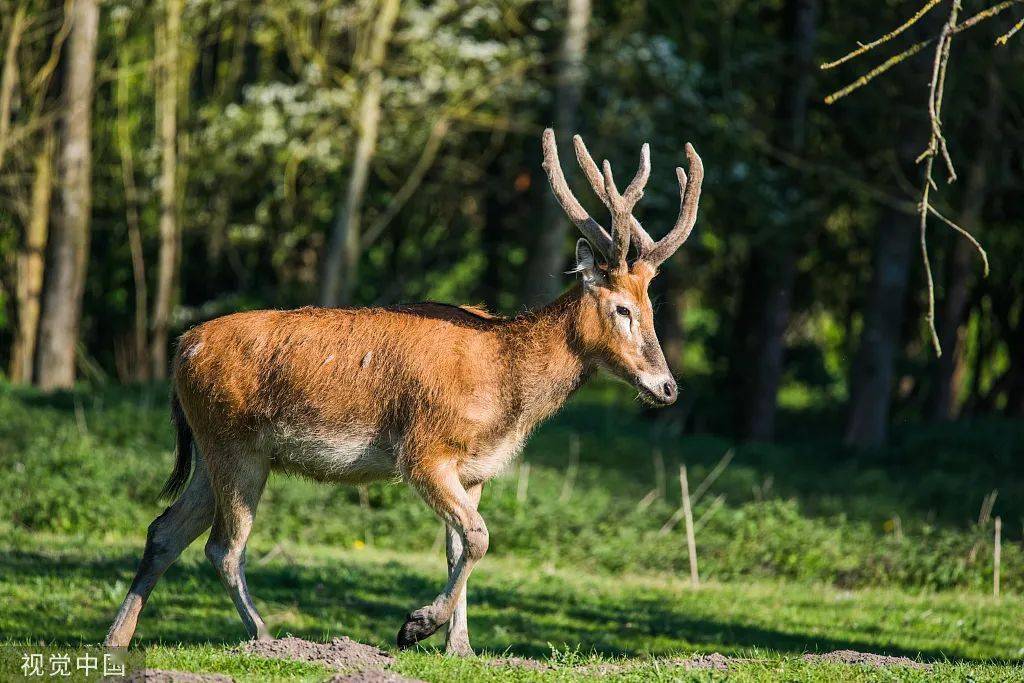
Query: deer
pixel 442 397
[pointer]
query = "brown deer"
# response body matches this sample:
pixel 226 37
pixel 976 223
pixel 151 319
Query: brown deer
pixel 441 396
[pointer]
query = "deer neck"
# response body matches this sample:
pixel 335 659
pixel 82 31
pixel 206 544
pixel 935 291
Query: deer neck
pixel 548 360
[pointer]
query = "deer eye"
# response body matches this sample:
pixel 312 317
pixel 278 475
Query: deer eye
pixel 623 311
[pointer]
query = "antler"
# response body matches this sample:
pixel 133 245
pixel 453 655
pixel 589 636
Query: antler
pixel 640 238
pixel 624 224
pixel 689 195
pixel 590 228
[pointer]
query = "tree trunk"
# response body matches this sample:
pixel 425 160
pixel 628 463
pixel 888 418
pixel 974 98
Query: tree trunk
pixel 949 369
pixel 138 366
pixel 168 82
pixel 69 239
pixel 341 263
pixel 9 77
pixel 768 288
pixel 546 270
pixel 30 265
pixel 871 381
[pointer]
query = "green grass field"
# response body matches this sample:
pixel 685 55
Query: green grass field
pixel 800 557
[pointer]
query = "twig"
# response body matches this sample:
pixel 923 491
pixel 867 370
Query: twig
pixel 997 556
pixel 712 476
pixel 968 236
pixel 524 483
pixel 436 547
pixel 364 504
pixel 864 47
pixel 672 521
pixel 935 143
pixel 691 540
pixel 646 501
pixel 1002 40
pixel 877 71
pixel 709 513
pixel 659 473
pixel 987 504
pixel 573 469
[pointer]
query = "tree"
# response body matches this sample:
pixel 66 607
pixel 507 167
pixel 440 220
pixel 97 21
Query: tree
pixel 771 273
pixel 64 283
pixel 547 261
pixel 341 262
pixel 871 382
pixel 169 37
pixel 30 264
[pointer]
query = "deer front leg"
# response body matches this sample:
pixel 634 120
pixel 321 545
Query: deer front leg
pixel 457 639
pixel 441 489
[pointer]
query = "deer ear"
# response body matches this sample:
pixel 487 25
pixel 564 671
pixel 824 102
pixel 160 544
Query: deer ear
pixel 586 265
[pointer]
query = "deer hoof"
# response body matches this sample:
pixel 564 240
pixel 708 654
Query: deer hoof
pixel 418 625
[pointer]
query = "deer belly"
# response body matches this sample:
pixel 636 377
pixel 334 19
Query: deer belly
pixel 346 456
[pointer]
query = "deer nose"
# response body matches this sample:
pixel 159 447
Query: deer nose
pixel 669 389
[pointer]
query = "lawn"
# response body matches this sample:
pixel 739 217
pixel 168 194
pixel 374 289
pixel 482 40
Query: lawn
pixel 579 576
pixel 65 590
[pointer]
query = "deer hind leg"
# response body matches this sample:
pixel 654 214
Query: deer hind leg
pixel 457 639
pixel 443 491
pixel 167 538
pixel 238 485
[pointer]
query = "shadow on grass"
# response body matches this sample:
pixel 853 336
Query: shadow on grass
pixel 64 599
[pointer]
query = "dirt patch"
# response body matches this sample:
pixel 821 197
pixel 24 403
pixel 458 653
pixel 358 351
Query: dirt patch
pixel 341 654
pixel 164 676
pixel 372 676
pixel 854 657
pixel 713 661
pixel 521 663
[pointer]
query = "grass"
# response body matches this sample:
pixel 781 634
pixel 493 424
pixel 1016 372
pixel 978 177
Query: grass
pixel 802 557
pixel 69 591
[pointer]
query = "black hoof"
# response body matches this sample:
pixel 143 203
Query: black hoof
pixel 417 626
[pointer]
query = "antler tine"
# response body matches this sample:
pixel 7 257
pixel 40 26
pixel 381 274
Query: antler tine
pixel 635 189
pixel 590 169
pixel 621 207
pixel 689 195
pixel 590 228
pixel 640 238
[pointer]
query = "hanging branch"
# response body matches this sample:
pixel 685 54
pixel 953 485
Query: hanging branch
pixel 937 146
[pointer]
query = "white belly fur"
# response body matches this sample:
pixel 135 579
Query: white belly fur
pixel 353 456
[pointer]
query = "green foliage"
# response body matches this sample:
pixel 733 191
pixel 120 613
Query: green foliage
pixel 92 464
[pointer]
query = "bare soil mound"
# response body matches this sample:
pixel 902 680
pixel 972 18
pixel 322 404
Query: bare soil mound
pixel 520 663
pixel 342 653
pixel 854 657
pixel 164 676
pixel 713 661
pixel 372 676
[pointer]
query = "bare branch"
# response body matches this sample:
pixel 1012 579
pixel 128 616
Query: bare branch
pixel 967 235
pixel 934 109
pixel 877 71
pixel 1003 39
pixel 884 39
pixel 917 47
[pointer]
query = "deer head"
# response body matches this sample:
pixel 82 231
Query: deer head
pixel 617 320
